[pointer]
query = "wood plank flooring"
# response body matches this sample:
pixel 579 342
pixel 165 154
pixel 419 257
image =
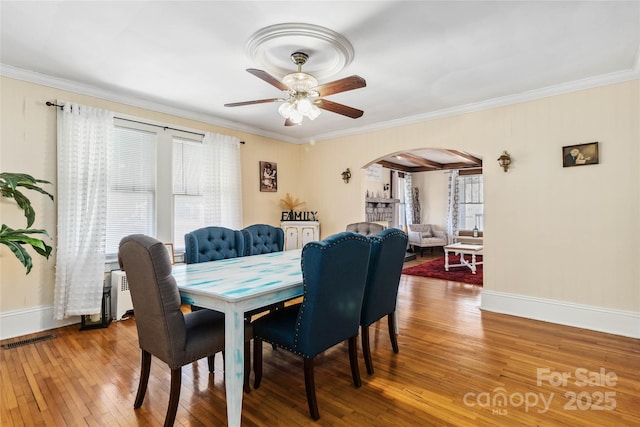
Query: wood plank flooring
pixel 457 366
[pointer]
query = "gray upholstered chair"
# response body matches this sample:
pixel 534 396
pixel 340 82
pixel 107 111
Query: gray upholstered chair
pixel 262 239
pixel 381 292
pixel 365 228
pixel 164 331
pixel 334 272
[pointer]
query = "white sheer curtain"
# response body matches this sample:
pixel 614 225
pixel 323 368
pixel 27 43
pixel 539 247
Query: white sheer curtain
pixel 223 172
pixel 207 186
pixel 452 217
pixel 408 197
pixel 83 138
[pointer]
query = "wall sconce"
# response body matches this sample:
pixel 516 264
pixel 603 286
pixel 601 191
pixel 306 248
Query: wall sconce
pixel 504 160
pixel 346 176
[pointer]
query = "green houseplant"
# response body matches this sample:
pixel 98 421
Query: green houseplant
pixel 18 239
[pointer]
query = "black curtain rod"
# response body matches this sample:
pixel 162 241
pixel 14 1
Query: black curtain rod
pixel 52 104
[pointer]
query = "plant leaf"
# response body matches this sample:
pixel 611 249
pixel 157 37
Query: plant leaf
pixel 20 253
pixel 9 182
pixel 15 239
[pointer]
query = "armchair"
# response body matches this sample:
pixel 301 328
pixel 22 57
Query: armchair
pixel 426 236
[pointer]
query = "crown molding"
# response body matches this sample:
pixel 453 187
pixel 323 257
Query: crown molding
pixel 559 89
pixel 82 89
pixel 109 95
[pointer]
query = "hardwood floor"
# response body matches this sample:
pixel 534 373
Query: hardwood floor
pixel 457 366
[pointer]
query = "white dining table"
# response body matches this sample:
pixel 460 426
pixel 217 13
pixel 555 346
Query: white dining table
pixel 234 286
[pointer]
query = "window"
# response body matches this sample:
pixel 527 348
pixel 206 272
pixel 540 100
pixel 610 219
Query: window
pixel 470 202
pixel 189 197
pixel 131 194
pixel 164 183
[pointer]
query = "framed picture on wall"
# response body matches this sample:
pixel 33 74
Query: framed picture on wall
pixel 579 155
pixel 169 247
pixel 268 177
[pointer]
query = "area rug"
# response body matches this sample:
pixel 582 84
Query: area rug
pixel 435 269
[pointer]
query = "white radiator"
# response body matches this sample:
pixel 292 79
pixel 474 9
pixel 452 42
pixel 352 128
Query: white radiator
pixel 121 303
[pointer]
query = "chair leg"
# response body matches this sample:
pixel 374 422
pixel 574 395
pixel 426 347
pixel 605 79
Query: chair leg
pixel 257 362
pixel 174 397
pixel 310 386
pixel 366 350
pixel 145 368
pixel 211 363
pixel 353 360
pixel 392 331
pixel 247 366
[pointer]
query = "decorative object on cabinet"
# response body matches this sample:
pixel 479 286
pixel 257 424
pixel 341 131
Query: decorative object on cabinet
pixel 299 233
pixel 268 177
pixel 504 160
pixel 579 155
pixel 289 203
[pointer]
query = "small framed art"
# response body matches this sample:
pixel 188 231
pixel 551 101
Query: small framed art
pixel 169 247
pixel 268 176
pixel 579 155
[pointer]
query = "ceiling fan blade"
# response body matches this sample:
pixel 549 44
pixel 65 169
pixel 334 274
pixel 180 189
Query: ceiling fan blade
pixel 339 108
pixel 342 85
pixel 257 101
pixel 268 78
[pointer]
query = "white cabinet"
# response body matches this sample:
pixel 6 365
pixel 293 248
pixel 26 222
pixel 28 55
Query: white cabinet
pixel 299 233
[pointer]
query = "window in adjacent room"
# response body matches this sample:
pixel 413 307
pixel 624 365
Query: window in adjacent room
pixel 470 202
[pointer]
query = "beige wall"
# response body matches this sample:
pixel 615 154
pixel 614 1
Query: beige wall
pixel 433 189
pixel 566 234
pixel 562 234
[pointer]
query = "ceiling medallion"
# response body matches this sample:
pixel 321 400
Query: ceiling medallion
pixel 271 47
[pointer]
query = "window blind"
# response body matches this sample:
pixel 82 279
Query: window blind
pixel 131 197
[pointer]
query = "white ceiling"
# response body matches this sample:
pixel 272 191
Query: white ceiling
pixel 420 59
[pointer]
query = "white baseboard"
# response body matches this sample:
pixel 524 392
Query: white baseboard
pixel 30 321
pixel 617 322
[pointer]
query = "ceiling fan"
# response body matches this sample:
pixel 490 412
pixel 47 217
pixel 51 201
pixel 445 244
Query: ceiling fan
pixel 304 96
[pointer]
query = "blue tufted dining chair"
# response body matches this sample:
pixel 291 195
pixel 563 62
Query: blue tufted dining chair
pixel 212 243
pixel 262 239
pixel 334 273
pixel 388 249
pixel 164 331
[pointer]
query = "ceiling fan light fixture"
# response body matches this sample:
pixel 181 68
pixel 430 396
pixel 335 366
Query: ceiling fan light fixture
pixel 314 113
pixel 296 116
pixel 285 109
pixel 304 106
pixel 300 82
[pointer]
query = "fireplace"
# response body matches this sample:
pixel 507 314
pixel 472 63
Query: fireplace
pixel 379 209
